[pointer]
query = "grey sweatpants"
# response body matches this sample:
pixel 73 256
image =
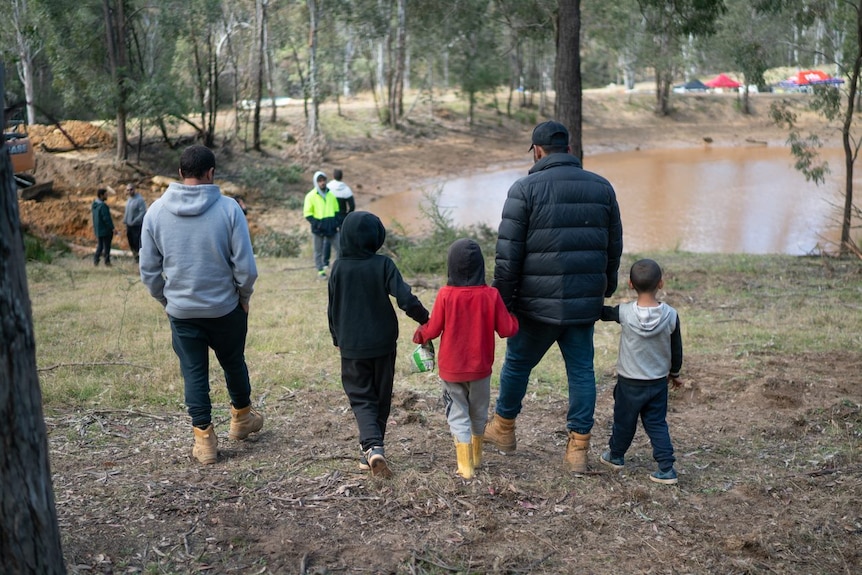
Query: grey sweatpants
pixel 467 407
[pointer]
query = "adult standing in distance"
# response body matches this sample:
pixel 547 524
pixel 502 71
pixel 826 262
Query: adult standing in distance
pixel 558 254
pixel 346 204
pixel 133 219
pixel 321 210
pixel 103 226
pixel 197 261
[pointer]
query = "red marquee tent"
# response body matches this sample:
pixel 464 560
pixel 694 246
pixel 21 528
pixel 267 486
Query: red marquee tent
pixel 722 81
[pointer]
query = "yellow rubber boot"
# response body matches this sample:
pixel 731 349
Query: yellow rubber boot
pixel 464 453
pixel 243 422
pixel 576 451
pixel 500 432
pixel 477 444
pixel 206 445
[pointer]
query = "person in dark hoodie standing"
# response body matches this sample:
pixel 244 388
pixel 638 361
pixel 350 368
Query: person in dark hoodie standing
pixel 467 312
pixel 103 227
pixel 364 328
pixel 650 357
pixel 321 211
pixel 197 261
pixel 346 204
pixel 558 255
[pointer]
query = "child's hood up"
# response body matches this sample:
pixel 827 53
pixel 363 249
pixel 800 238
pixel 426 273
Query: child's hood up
pixel 362 234
pixel 466 264
pixel 185 200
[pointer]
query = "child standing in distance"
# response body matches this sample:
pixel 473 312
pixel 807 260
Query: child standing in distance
pixel 467 313
pixel 650 354
pixel 364 327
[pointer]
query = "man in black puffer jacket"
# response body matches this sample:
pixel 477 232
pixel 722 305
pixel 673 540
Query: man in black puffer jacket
pixel 558 254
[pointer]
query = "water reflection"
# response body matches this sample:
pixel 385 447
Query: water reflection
pixel 730 200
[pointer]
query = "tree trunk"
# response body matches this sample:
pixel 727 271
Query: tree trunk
pixel 115 30
pixel 567 75
pixel 259 13
pixel 29 535
pixel 396 86
pixel 847 140
pixel 313 16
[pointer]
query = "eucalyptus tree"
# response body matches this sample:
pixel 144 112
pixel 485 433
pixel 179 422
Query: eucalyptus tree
pixel 750 40
pixel 29 534
pixel 619 28
pixel 841 43
pixel 568 106
pixel 668 22
pixel 20 43
pixel 529 43
pixel 113 58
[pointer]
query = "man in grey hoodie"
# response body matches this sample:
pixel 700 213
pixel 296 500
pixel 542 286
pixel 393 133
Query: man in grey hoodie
pixel 197 261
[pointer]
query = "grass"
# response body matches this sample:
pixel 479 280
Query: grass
pixel 103 341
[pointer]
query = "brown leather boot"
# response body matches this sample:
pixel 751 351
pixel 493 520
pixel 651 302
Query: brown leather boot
pixel 464 454
pixel 576 451
pixel 206 445
pixel 476 443
pixel 500 432
pixel 243 422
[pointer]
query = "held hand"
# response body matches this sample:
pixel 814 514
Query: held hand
pixel 676 383
pixel 244 307
pixel 417 336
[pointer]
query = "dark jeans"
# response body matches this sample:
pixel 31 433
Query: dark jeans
pixel 192 339
pixel 133 234
pixel 649 402
pixel 368 385
pixel 525 349
pixel 103 247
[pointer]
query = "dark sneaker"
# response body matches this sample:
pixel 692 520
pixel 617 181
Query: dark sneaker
pixel 612 462
pixel 363 463
pixel 664 477
pixel 377 461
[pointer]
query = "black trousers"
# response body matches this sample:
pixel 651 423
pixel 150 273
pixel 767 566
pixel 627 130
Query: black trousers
pixel 133 234
pixel 368 385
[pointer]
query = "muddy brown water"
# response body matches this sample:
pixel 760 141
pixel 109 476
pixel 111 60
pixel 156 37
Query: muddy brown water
pixel 704 200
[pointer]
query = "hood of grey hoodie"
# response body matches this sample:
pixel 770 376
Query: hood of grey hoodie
pixel 648 319
pixel 645 351
pixel 183 200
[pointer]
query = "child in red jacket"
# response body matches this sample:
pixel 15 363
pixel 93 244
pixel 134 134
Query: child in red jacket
pixel 467 313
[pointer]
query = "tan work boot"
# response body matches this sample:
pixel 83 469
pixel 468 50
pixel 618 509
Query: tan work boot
pixel 206 445
pixel 243 422
pixel 500 432
pixel 476 444
pixel 464 453
pixel 576 451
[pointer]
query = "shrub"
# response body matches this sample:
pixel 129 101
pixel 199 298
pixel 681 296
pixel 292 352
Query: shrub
pixel 278 245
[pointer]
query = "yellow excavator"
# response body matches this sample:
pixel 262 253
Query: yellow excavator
pixel 24 161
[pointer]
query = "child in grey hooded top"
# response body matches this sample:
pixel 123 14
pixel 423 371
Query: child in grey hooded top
pixel 650 354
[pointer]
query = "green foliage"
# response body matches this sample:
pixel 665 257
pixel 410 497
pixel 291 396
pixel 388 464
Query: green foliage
pixel 827 102
pixel 278 245
pixel 427 254
pixel 805 150
pixel 270 181
pixel 40 250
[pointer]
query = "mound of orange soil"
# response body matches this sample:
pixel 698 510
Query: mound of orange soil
pixel 74 134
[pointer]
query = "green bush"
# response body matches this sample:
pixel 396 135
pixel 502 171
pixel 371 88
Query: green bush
pixel 278 245
pixel 427 254
pixel 42 250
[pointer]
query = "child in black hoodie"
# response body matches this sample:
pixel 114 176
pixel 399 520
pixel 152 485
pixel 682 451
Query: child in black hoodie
pixel 364 327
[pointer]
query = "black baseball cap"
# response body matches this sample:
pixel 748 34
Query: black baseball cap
pixel 550 133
